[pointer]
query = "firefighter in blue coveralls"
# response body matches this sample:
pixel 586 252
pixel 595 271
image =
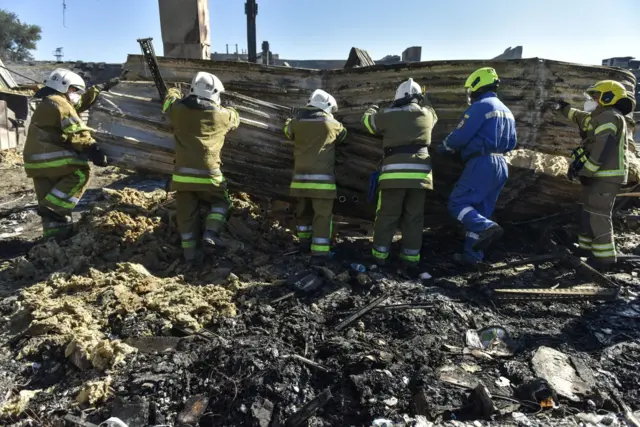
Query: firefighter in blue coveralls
pixel 487 131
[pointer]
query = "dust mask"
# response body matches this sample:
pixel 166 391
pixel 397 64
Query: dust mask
pixel 74 97
pixel 590 105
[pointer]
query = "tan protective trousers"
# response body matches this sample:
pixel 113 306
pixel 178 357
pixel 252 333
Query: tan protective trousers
pixel 404 207
pixel 188 216
pixel 314 221
pixel 59 196
pixel 596 228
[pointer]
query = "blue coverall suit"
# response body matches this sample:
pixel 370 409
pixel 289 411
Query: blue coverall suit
pixel 486 130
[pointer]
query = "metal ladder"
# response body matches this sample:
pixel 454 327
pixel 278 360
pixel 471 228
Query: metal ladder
pixel 150 57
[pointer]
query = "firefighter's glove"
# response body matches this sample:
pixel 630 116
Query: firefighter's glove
pixel 572 172
pixel 97 157
pixel 579 156
pixel 374 108
pixel 560 104
pixel 109 84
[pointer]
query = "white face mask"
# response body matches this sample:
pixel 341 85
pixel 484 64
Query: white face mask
pixel 590 105
pixel 74 97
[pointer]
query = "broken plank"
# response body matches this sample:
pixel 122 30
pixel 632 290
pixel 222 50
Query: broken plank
pixel 364 310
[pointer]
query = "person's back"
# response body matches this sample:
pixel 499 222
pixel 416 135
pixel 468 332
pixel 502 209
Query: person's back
pixel 200 125
pixel 405 171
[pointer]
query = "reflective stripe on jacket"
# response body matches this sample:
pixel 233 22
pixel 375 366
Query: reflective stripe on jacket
pixel 199 128
pixel 57 136
pixel 606 140
pixel 486 127
pixel 315 134
pixel 409 127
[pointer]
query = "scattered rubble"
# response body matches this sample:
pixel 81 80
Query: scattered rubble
pixel 111 319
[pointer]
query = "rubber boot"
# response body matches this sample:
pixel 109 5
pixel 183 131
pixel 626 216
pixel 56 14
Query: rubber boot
pixel 211 239
pixel 318 260
pixel 305 246
pixel 487 237
pixel 409 269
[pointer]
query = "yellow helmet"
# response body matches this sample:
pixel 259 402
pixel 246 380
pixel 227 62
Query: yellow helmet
pixel 607 92
pixel 480 78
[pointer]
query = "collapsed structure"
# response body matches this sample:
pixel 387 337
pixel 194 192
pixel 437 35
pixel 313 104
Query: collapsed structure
pixel 133 132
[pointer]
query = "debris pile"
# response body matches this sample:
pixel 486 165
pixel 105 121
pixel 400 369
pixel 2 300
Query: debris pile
pixel 110 324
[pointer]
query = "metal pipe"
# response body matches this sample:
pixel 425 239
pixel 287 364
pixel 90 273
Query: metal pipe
pixel 251 10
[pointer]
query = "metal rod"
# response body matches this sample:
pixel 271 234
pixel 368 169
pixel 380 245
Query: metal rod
pixel 21 75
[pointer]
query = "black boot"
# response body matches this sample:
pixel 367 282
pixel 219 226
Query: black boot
pixel 318 260
pixel 487 237
pixel 211 239
pixel 305 246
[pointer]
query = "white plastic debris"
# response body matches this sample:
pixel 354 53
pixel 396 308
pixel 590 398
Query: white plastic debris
pixel 382 422
pixel 113 422
pixel 392 401
pixel 425 276
pixel 521 419
pixel 503 382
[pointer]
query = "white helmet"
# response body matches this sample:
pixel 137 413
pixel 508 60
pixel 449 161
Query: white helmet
pixel 322 100
pixel 62 79
pixel 407 89
pixel 207 86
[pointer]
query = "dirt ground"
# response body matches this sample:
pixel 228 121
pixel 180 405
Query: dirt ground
pixel 112 323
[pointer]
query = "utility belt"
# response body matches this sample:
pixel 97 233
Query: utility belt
pixel 480 154
pixel 404 149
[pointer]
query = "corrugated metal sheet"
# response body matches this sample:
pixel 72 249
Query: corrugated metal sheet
pixel 258 159
pixel 358 58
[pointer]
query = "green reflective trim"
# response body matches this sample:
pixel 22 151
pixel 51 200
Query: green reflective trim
pixel 217 217
pixel 320 248
pixel 367 124
pixel 186 244
pixel 75 128
pixel 380 255
pixel 591 166
pixel 168 103
pixel 59 202
pixel 51 232
pixel 193 180
pixel 405 175
pixel 312 186
pixel 583 245
pixel 82 179
pixel 603 247
pixel 585 238
pixel 607 254
pixel 56 163
pixel 572 113
pixel 616 172
pixel 604 127
pixel 304 235
pixel 411 258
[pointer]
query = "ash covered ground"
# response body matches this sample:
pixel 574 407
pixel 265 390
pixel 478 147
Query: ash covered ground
pixel 111 323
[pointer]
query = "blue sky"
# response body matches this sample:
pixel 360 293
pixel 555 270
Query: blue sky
pixel 582 31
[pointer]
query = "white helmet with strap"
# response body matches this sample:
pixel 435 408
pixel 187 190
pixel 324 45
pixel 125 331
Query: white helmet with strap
pixel 322 100
pixel 62 79
pixel 207 86
pixel 408 89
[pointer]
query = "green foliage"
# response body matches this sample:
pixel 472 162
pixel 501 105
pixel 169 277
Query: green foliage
pixel 17 39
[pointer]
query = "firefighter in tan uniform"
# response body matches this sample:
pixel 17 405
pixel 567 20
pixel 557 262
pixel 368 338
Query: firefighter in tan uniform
pixel 315 133
pixel 200 124
pixel 601 164
pixel 58 148
pixel 406 170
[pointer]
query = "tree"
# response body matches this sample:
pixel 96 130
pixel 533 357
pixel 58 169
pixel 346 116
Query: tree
pixel 17 38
